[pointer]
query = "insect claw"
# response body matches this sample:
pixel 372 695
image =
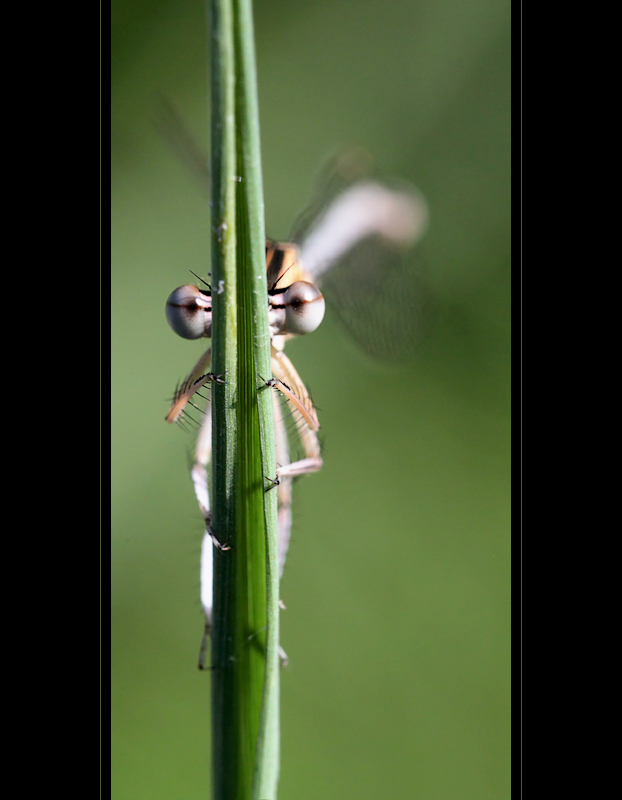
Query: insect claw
pixel 273 482
pixel 222 547
pixel 208 527
pixel 211 376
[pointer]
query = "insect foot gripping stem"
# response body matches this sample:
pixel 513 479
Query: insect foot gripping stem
pixel 273 482
pixel 211 376
pixel 208 530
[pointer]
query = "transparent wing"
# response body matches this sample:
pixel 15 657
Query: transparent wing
pixel 358 242
pixel 339 173
pixel 381 299
pixel 174 132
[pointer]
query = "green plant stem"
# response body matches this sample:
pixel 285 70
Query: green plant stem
pixel 245 732
pixel 253 273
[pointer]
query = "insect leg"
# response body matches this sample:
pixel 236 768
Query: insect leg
pixel 284 488
pixel 203 454
pixel 197 378
pixel 284 498
pixel 307 424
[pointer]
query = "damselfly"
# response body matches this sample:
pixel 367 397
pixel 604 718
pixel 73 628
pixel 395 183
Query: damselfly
pixel 354 240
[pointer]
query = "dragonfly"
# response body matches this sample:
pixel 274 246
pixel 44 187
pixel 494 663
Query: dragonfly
pixel 355 241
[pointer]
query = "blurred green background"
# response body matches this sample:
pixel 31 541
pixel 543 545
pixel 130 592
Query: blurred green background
pixel 397 581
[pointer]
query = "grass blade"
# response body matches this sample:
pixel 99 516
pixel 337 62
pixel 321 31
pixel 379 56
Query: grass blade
pixel 245 628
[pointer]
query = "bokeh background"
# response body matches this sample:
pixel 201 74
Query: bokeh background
pixel 397 581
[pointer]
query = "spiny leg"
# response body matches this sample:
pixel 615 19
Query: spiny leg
pixel 197 378
pixel 284 487
pixel 202 458
pixel 307 424
pixel 305 417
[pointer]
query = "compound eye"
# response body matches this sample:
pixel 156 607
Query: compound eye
pixel 189 312
pixel 304 308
